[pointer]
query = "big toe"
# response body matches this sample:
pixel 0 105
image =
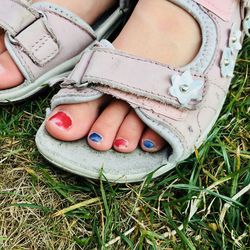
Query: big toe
pixel 10 76
pixel 72 122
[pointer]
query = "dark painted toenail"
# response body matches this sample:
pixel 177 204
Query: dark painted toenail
pixel 148 144
pixel 61 120
pixel 121 143
pixel 94 137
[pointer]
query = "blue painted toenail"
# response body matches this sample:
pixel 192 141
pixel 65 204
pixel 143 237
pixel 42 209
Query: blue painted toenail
pixel 94 137
pixel 148 144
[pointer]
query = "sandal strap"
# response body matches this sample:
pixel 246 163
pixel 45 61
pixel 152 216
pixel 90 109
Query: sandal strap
pixel 117 70
pixel 42 46
pixel 222 9
pixel 46 42
pixel 16 16
pixel 20 21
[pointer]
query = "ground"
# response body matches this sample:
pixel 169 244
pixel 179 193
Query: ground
pixel 202 204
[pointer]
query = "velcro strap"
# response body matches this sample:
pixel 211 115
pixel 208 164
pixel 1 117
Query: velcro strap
pixel 133 75
pixel 28 29
pixel 221 8
pixel 38 42
pixel 16 15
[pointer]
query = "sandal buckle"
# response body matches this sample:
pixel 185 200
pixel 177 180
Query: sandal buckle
pixel 82 85
pixel 12 39
pixel 70 83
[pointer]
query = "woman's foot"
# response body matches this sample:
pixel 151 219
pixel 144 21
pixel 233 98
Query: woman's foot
pixel 88 10
pixel 158 30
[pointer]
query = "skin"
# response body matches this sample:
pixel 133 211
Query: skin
pixel 173 37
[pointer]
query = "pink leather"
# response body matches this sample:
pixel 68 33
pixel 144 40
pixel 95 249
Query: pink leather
pixel 42 46
pixel 15 16
pixel 134 75
pixel 222 8
pixel 50 41
pixel 160 109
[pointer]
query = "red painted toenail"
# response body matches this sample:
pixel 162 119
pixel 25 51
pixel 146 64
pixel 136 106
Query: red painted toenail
pixel 121 143
pixel 61 120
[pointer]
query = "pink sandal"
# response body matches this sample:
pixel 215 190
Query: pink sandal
pixel 180 104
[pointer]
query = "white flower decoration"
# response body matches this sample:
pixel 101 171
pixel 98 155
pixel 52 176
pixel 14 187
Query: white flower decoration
pixel 235 39
pixel 227 63
pixel 186 89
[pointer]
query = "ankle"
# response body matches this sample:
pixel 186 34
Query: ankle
pixel 167 34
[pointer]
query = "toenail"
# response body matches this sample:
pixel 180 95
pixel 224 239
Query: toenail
pixel 61 120
pixel 94 137
pixel 121 143
pixel 148 144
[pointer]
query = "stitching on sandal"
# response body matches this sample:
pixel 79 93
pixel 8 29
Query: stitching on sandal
pixel 72 21
pixel 23 62
pixel 144 60
pixel 39 45
pixel 171 100
pixel 214 6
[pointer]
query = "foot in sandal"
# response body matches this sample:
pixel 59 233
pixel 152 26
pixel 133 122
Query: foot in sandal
pixel 44 40
pixel 118 125
pixel 168 73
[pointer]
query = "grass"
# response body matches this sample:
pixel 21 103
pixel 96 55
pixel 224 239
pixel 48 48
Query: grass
pixel 203 204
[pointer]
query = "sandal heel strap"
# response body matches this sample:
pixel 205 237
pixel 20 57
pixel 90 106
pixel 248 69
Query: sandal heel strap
pixel 222 9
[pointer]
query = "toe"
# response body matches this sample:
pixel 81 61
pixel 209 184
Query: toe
pixel 104 130
pixel 129 134
pixel 72 122
pixel 9 73
pixel 151 141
